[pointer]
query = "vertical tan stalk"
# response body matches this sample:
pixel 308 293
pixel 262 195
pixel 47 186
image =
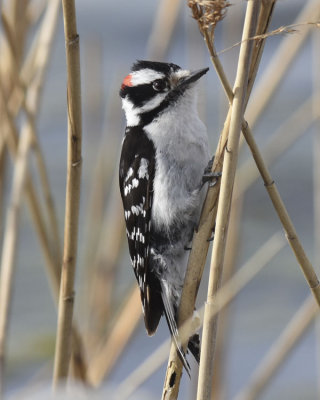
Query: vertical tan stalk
pixel 66 299
pixel 9 244
pixel 227 181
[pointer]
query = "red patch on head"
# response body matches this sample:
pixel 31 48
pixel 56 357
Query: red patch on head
pixel 126 81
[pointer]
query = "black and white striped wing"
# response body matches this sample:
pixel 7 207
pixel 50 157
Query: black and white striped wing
pixel 137 166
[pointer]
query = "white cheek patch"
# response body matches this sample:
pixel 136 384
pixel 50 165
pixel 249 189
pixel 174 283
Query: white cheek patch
pixel 132 116
pixel 145 76
pixel 153 103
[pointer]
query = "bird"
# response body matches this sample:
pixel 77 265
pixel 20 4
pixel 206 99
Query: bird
pixel 164 158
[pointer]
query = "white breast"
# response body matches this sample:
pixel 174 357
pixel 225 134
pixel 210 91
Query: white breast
pixel 182 153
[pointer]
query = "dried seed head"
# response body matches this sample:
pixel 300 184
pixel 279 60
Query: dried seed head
pixel 208 13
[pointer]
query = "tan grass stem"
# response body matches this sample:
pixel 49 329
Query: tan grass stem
pixel 29 98
pixel 9 244
pixel 230 261
pixel 224 296
pixel 291 129
pixel 66 298
pixel 27 94
pixel 223 213
pixel 278 66
pixel 291 234
pixel 280 350
pixel 283 215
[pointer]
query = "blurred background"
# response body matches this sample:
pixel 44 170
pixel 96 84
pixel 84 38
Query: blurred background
pixel 112 36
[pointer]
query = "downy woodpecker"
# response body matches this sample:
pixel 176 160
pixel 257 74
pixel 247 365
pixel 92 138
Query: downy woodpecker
pixel 164 155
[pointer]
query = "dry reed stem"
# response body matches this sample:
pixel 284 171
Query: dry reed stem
pixel 285 144
pixel 14 50
pixel 280 350
pixel 30 102
pixel 283 215
pixel 231 255
pixel 9 243
pixel 196 263
pixel 200 244
pixel 122 330
pixel 291 234
pixel 223 212
pixel 289 131
pixel 278 66
pixel 29 99
pixel 225 295
pixel 66 299
pixel 162 29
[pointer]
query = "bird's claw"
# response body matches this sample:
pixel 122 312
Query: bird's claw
pixel 211 177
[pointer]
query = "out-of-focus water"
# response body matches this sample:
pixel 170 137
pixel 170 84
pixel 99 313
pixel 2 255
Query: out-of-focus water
pixel 264 308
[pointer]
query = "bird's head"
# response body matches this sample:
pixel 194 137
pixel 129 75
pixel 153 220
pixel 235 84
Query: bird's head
pixel 153 87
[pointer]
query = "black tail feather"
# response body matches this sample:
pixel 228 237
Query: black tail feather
pixel 170 317
pixel 194 346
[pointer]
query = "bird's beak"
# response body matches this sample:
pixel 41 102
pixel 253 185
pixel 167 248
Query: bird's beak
pixel 193 77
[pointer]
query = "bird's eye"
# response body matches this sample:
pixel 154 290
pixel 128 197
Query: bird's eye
pixel 159 85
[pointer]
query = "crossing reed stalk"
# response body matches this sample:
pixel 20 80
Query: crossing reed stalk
pixel 66 298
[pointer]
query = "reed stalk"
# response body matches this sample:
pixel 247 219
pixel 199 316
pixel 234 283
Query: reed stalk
pixel 9 244
pixel 66 298
pixel 283 215
pixel 230 260
pixel 287 134
pixel 223 212
pixel 279 65
pixel 280 350
pixel 26 94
